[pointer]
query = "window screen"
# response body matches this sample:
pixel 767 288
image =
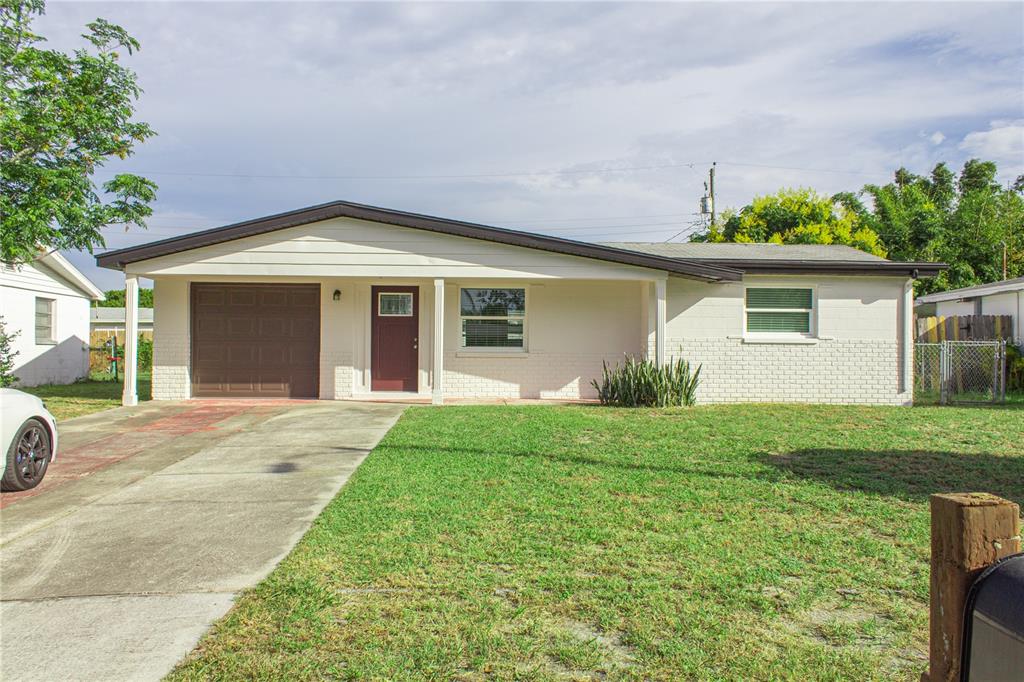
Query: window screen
pixel 44 320
pixel 779 310
pixel 492 318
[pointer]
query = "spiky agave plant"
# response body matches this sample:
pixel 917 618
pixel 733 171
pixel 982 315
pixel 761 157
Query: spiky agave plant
pixel 642 383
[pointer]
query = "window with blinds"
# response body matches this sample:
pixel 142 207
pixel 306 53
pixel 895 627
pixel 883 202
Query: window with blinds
pixel 493 318
pixel 44 320
pixel 779 310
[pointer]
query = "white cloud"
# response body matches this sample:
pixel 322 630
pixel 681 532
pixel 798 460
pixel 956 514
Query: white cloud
pixel 384 89
pixel 1002 142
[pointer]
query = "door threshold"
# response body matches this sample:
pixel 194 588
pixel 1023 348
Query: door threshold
pixel 391 396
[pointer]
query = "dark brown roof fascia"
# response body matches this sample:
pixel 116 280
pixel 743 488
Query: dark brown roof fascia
pixel 849 267
pixel 704 271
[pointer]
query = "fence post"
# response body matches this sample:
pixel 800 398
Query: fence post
pixel 1002 371
pixel 944 372
pixel 969 532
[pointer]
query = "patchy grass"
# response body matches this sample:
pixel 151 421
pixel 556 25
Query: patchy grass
pixel 555 543
pixel 95 394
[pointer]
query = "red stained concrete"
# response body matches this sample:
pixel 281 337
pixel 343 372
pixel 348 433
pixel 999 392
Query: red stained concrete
pixel 103 443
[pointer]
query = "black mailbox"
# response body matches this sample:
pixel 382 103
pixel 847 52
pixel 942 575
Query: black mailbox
pixel 993 646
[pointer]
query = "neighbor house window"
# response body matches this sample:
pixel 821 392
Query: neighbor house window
pixel 779 310
pixel 44 320
pixel 492 318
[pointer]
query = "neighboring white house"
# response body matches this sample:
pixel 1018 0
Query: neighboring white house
pixel 997 298
pixel 46 302
pixel 343 300
pixel 112 320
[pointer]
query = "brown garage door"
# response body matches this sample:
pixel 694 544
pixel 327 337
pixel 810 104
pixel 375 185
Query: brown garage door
pixel 255 340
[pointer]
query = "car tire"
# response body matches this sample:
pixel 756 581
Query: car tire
pixel 27 457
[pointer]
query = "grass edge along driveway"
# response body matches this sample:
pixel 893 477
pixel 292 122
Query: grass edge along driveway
pixel 721 542
pixel 66 401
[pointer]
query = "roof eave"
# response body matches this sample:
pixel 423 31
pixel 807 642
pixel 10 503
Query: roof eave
pixel 855 267
pixel 977 291
pixel 708 272
pixel 65 269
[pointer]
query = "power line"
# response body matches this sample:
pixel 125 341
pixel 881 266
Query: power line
pixel 599 230
pixel 204 221
pixel 797 168
pixel 460 176
pixel 632 230
pixel 469 176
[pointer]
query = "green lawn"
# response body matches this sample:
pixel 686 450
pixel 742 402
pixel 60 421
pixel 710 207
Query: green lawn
pixel 728 542
pixel 96 394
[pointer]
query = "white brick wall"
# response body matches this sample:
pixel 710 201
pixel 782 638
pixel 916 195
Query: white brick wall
pixel 170 365
pixel 535 375
pixel 829 371
pixel 574 326
pixel 335 374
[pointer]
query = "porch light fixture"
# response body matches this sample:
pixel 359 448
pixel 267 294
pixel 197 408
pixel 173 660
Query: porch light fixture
pixel 337 294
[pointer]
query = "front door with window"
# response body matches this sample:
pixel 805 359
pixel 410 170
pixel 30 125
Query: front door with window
pixel 394 354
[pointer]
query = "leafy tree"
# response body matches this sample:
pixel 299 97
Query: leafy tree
pixel 62 116
pixel 796 216
pixel 964 221
pixel 7 377
pixel 115 299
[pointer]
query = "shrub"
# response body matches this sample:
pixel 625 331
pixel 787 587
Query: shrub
pixel 1014 368
pixel 7 377
pixel 641 383
pixel 145 353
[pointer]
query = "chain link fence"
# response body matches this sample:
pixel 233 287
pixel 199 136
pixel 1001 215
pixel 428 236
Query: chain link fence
pixel 960 372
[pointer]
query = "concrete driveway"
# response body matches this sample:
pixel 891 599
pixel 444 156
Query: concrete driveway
pixel 169 509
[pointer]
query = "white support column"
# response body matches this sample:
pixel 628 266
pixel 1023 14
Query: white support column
pixel 660 314
pixel 131 339
pixel 438 386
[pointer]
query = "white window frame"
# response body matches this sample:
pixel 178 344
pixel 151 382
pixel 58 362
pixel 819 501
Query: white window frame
pixel 52 312
pixel 812 320
pixel 412 303
pixel 496 350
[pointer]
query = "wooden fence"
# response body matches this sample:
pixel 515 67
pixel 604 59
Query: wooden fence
pixel 964 328
pixel 99 347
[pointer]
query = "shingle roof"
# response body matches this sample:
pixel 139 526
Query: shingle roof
pixel 116 315
pixel 708 272
pixel 702 251
pixel 752 259
pixel 1016 284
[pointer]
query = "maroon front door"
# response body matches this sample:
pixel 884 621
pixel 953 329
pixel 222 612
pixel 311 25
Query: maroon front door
pixel 395 344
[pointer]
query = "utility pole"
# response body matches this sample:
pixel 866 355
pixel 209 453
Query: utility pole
pixel 711 189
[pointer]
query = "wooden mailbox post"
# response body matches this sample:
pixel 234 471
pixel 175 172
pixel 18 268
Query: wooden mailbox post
pixel 970 531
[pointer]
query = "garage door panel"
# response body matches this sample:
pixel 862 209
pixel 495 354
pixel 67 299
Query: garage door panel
pixel 243 298
pixel 204 353
pixel 241 355
pixel 209 327
pixel 241 327
pixel 252 340
pixel 274 298
pixel 274 327
pixel 303 328
pixel 300 299
pixel 210 297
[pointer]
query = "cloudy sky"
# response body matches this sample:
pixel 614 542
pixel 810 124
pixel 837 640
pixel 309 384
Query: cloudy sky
pixel 589 121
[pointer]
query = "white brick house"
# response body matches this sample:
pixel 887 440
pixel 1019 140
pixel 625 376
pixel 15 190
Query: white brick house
pixel 343 300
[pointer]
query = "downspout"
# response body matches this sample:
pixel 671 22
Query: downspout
pixel 907 342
